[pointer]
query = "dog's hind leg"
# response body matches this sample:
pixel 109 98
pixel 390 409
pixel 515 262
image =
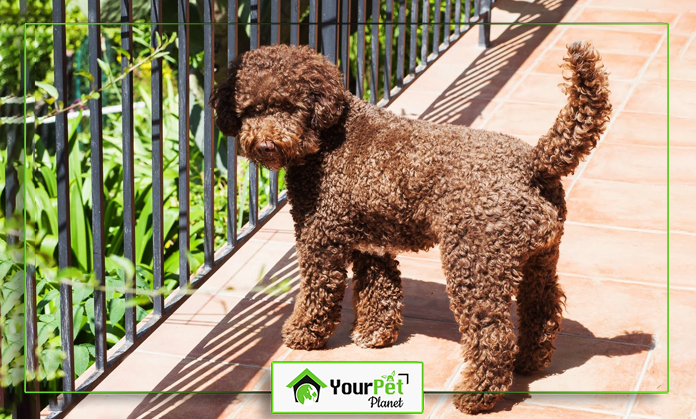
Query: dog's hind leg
pixel 317 310
pixel 377 296
pixel 540 307
pixel 480 278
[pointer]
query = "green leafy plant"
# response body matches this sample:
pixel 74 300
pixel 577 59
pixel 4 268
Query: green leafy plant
pixel 42 224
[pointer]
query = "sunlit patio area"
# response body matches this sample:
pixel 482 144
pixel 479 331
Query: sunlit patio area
pixel 614 255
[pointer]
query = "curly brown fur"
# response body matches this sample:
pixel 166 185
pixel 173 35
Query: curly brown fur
pixel 377 296
pixel 365 184
pixel 584 118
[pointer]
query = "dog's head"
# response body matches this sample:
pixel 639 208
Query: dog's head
pixel 276 101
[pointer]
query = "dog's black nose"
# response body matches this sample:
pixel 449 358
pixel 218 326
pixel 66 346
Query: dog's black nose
pixel 265 146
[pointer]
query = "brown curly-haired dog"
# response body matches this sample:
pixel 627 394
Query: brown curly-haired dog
pixel 365 184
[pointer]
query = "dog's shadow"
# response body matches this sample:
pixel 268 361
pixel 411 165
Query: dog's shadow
pixel 426 312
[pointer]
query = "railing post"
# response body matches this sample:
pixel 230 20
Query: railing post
pixel 128 159
pixel 209 126
pixel 63 193
pixel 484 24
pixel 232 44
pixel 329 29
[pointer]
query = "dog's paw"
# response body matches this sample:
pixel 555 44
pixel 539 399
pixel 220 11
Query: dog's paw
pixel 369 338
pixel 297 337
pixel 475 402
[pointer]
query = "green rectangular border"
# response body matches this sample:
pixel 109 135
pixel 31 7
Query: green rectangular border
pixel 352 362
pixel 26 169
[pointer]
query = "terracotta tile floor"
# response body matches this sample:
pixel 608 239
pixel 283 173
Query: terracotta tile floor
pixel 613 264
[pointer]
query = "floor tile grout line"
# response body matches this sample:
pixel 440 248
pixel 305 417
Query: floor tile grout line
pixel 572 408
pixel 644 416
pixel 644 182
pixel 686 46
pixel 441 401
pixel 620 108
pixel 205 360
pixel 621 228
pixel 445 397
pixel 631 282
pixel 247 398
pixel 639 382
pixel 628 9
pixel 620 182
pixel 654 146
pixel 660 113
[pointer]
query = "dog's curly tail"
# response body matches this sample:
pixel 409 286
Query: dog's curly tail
pixel 582 121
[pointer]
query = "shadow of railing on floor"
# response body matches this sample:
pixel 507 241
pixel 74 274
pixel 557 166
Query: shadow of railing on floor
pixel 465 99
pixel 246 338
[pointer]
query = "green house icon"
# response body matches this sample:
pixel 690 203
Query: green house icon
pixel 306 387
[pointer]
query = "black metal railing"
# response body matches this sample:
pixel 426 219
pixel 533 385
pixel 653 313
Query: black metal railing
pixel 331 25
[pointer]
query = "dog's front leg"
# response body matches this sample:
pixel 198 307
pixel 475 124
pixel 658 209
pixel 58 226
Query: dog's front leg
pixel 317 309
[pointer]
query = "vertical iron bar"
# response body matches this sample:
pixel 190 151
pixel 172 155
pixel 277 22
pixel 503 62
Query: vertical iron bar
pixel 232 43
pixel 448 21
pixel 63 193
pixel 414 33
pixel 477 9
pixel 275 39
pixel 128 159
pixel 275 18
pixel 253 167
pixel 360 82
pixel 484 27
pixel 184 205
pixel 254 14
pixel 30 297
pixel 253 194
pixel 313 29
pixel 437 28
pixel 32 338
pixel 388 38
pixel 294 18
pixel 157 162
pixel 329 29
pixel 209 130
pixel 401 45
pixel 98 247
pixel 273 186
pixel 345 41
pixel 467 12
pixel 29 405
pixel 424 35
pixel 374 47
pixel 458 17
pixel 11 180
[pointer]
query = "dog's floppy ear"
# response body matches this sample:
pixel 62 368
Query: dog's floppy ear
pixel 222 100
pixel 327 91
